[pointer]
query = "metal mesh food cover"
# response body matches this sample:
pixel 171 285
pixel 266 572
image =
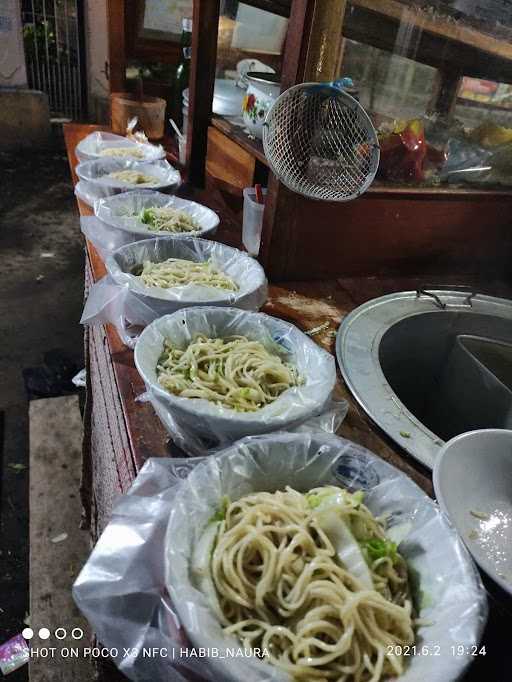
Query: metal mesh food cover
pixel 320 142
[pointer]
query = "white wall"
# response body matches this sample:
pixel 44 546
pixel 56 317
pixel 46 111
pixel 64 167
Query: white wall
pixel 12 55
pixel 96 45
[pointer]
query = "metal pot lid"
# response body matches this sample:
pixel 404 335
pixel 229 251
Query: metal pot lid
pixel 227 97
pixel 263 77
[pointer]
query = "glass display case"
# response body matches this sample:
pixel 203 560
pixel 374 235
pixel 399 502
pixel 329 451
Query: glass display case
pixel 435 77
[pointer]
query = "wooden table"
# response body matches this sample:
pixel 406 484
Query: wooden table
pixel 120 433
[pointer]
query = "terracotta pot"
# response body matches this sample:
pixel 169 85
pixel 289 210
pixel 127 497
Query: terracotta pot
pixel 150 111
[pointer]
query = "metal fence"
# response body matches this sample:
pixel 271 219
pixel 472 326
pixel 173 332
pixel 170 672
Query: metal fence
pixel 51 36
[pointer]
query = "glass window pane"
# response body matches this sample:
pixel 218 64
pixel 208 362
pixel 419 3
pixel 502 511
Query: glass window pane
pixel 436 78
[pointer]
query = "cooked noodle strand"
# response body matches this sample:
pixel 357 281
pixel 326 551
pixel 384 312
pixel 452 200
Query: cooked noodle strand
pixel 175 272
pixel 282 587
pixel 233 372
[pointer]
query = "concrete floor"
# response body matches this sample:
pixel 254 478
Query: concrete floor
pixel 41 263
pixel 58 548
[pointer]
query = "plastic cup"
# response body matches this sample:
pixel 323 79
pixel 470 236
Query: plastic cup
pixel 252 221
pixel 182 147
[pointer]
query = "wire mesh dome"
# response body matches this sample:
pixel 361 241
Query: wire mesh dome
pixel 320 142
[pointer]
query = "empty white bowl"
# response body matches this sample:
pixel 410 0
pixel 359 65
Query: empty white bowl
pixel 473 484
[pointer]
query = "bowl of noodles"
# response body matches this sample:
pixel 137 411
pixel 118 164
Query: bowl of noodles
pixel 101 145
pixel 167 274
pixel 316 560
pixel 111 176
pixel 219 374
pixel 146 213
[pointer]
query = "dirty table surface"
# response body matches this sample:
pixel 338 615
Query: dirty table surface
pixel 307 305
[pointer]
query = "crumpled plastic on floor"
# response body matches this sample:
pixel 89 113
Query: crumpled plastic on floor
pixel 14 654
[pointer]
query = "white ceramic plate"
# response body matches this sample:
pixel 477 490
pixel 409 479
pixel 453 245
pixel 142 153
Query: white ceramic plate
pixel 473 484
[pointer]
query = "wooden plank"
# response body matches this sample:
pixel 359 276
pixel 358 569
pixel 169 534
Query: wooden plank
pixel 202 80
pixel 326 29
pixel 251 145
pixel 294 65
pixel 281 7
pixel 228 163
pixel 376 234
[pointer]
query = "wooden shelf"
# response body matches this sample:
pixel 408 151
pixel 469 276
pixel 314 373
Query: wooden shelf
pixel 236 133
pixel 488 106
pixel 440 42
pixel 255 148
pixel 443 27
pixel 444 191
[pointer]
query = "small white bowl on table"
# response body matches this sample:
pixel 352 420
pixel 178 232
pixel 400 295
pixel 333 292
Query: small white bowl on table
pixel 473 485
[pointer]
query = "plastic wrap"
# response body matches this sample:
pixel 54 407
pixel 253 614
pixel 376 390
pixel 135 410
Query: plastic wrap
pixel 105 238
pixel 109 303
pixel 122 210
pixel 87 192
pixel 145 551
pixel 96 173
pixel 90 147
pixel 122 298
pixel 199 425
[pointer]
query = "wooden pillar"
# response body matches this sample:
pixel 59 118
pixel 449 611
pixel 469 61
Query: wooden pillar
pixel 116 45
pixel 202 81
pixel 446 89
pixel 325 41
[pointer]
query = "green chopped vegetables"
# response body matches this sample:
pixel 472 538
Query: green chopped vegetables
pixel 168 219
pixel 379 549
pixel 220 514
pixel 315 499
pixel 232 372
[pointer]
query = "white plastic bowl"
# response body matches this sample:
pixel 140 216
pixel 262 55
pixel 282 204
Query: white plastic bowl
pixel 454 605
pixel 96 173
pixel 122 210
pixel 246 272
pixel 217 423
pixel 92 146
pixel 473 484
